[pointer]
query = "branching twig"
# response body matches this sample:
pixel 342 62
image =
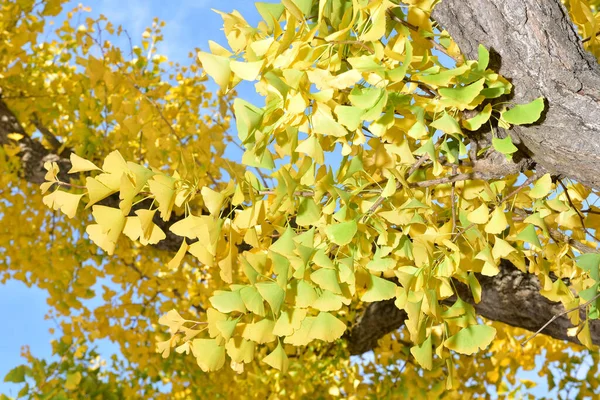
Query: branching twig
pixel 587 303
pixel 356 42
pixel 415 28
pixel 453 199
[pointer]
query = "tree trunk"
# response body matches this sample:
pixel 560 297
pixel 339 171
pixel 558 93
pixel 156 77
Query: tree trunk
pixel 534 45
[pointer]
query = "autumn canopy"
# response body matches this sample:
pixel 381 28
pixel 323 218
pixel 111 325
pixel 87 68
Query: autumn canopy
pixel 394 197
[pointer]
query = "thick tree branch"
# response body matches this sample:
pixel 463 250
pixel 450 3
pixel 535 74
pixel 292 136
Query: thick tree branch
pixel 511 297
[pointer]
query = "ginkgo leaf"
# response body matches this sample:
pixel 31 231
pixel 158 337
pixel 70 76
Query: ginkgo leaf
pixel 272 293
pixel 326 279
pixel 79 164
pixel 173 320
pixel 480 215
pixel 163 189
pixel 504 146
pixel 63 201
pixel 227 301
pixel 97 190
pixel 212 200
pixel 312 148
pixel 252 300
pixel 110 224
pixel 497 223
pixel 462 97
pixel 484 58
pixel 477 121
pixel 541 188
pixel 240 350
pixel 217 67
pixel 523 114
pixel 446 124
pixel 423 353
pixel 378 289
pixel 210 356
pixel 530 236
pixel 134 229
pixel 289 321
pixel 260 332
pixel 277 359
pixel 471 339
pixel 247 71
pixel 226 327
pixel 342 233
pixel 326 327
pixel 178 258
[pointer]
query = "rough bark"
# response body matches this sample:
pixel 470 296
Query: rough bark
pixel 511 297
pixel 534 45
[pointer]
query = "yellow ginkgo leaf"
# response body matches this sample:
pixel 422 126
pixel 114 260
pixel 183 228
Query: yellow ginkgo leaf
pixel 247 71
pixel 66 202
pixel 178 258
pixel 134 230
pixel 480 215
pixel 212 200
pixel 163 189
pixel 497 222
pixel 217 67
pixel 542 187
pixel 79 164
pixel 110 224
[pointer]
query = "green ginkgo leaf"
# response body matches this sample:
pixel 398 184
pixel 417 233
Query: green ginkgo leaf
pixel 379 289
pixel 252 300
pixel 471 339
pixel 504 146
pixel 524 113
pixel 423 353
pixel 461 97
pixel 343 233
pixel 272 293
pixel 277 358
pixel 326 327
pixel 530 236
pixel 226 301
pixel 209 355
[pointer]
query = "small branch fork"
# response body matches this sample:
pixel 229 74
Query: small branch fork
pixel 579 307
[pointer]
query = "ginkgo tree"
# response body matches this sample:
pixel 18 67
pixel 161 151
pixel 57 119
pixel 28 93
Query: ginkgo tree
pixel 420 183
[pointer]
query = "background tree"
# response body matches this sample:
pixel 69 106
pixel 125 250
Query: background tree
pixel 458 220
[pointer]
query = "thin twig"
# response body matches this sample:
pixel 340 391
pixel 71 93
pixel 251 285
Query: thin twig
pixel 54 142
pixel 435 44
pixel 581 217
pixel 587 39
pixel 453 199
pixel 412 169
pixel 522 186
pixel 587 303
pixel 356 42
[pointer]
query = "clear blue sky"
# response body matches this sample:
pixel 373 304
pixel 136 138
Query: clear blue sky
pixel 189 24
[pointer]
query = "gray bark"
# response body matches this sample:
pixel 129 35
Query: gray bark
pixel 534 45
